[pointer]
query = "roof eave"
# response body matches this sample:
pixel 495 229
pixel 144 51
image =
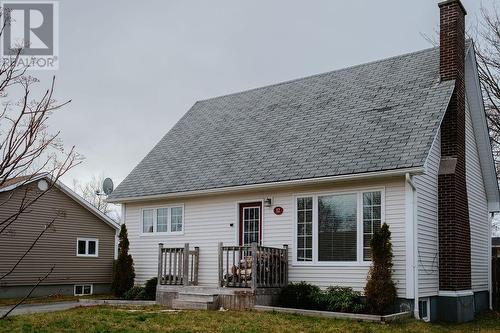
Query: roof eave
pixel 271 185
pixel 68 192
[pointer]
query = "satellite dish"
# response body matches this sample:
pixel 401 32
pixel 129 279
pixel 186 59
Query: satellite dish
pixel 107 186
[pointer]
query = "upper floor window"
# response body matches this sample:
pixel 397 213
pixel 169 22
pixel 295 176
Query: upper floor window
pixel 337 227
pixel 163 220
pixel 87 247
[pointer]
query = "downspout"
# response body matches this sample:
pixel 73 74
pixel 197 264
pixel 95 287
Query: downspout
pixel 410 182
pixel 490 259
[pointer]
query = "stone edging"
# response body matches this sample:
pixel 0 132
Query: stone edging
pixel 339 315
pixel 87 301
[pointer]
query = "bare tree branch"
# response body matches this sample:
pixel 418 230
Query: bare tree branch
pixel 40 280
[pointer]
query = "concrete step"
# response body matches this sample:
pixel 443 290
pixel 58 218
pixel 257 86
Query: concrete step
pixel 197 297
pixel 190 305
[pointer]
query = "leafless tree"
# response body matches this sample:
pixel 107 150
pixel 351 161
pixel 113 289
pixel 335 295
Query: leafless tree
pixel 93 193
pixel 27 147
pixel 488 55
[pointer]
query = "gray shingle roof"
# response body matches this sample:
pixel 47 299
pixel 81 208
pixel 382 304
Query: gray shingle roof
pixel 378 116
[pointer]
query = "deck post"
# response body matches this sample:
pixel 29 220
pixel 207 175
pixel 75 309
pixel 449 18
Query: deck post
pixel 185 265
pixel 285 273
pixel 221 264
pixel 160 261
pixel 254 266
pixel 196 264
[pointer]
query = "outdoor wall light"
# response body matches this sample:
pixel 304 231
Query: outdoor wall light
pixel 268 202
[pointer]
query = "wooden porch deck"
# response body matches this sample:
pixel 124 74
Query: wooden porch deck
pixel 248 275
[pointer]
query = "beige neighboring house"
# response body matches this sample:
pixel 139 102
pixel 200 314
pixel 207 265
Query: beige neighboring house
pixel 80 243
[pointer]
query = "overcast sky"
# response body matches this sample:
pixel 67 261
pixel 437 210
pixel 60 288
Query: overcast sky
pixel 133 68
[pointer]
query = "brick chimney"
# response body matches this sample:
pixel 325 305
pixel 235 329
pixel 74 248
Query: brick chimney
pixel 453 216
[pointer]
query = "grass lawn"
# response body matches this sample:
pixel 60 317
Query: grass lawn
pixel 50 299
pixel 155 319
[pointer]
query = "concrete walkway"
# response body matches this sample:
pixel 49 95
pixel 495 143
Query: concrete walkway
pixel 39 308
pixel 60 306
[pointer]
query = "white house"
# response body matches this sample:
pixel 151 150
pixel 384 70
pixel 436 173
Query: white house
pixel 318 164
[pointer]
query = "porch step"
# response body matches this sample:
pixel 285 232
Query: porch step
pixel 197 297
pixel 192 305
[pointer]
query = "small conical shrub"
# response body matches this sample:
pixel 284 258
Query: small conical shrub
pixel 380 290
pixel 123 268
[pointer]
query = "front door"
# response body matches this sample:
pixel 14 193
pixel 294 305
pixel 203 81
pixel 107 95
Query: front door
pixel 250 223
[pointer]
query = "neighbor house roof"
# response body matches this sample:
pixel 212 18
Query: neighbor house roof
pixel 15 182
pixel 378 116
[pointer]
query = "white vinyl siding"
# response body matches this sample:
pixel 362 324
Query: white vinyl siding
pixel 427 216
pixel 478 211
pixel 208 220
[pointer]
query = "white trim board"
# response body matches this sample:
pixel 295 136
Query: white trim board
pixel 272 185
pixel 478 117
pixel 458 293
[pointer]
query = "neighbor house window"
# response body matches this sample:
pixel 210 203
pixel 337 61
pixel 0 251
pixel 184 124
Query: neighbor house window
pixel 304 229
pixel 87 247
pixel 337 227
pixel 372 211
pixel 83 289
pixel 163 220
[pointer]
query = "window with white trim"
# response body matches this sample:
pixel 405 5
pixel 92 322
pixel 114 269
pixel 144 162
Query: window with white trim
pixel 83 289
pixel 304 229
pixel 87 247
pixel 372 217
pixel 337 227
pixel 424 309
pixel 163 220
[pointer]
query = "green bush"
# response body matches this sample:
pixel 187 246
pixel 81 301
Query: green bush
pixel 301 296
pixel 150 288
pixel 133 292
pixel 310 297
pixel 380 290
pixel 123 267
pixel 341 299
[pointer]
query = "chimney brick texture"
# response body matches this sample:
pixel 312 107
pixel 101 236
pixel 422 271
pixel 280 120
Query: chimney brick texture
pixel 453 216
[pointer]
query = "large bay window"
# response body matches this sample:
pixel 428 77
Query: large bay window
pixel 163 220
pixel 337 227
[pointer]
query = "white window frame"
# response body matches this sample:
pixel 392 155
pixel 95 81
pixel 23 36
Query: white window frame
pixel 428 308
pixel 87 240
pixel 155 220
pixel 359 225
pixel 83 285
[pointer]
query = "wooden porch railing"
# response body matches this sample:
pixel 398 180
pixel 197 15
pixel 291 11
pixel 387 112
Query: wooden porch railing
pixel 253 266
pixel 178 265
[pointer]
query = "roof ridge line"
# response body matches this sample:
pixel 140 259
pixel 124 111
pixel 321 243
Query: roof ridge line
pixel 319 74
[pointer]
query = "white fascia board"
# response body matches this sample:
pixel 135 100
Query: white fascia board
pixel 458 293
pixel 480 126
pixel 272 185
